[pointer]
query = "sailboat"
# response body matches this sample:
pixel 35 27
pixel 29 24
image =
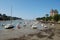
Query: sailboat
pixel 9 26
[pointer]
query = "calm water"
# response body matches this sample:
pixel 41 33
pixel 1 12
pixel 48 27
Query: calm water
pixel 28 23
pixel 14 22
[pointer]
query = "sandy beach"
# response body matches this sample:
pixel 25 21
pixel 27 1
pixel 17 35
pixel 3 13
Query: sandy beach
pixel 27 33
pixel 15 33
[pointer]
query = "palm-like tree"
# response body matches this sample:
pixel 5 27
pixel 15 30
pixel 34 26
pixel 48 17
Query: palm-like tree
pixel 47 15
pixel 46 19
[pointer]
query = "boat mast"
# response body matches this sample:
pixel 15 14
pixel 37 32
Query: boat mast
pixel 11 15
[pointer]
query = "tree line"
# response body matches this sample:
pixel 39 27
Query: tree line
pixel 54 18
pixel 5 17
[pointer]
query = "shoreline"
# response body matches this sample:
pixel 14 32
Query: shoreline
pixel 41 35
pixel 17 34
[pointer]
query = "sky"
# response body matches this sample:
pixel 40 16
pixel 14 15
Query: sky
pixel 28 9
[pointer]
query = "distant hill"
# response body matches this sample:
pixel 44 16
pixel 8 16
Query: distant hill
pixel 5 17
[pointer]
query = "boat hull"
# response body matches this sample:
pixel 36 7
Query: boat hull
pixel 10 27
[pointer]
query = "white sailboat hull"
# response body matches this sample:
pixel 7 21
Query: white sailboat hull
pixel 9 26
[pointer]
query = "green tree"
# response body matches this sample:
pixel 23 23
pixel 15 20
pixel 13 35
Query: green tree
pixel 38 18
pixel 56 17
pixel 46 18
pixel 59 16
pixel 4 17
pixel 0 14
pixel 43 18
pixel 50 18
pixel 47 15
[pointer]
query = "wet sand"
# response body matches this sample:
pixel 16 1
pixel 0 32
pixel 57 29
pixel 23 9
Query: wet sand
pixel 16 33
pixel 28 33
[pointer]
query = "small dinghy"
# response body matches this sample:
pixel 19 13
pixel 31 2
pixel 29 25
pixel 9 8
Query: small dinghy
pixel 34 26
pixel 45 26
pixel 42 24
pixel 53 24
pixel 9 26
pixel 18 26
